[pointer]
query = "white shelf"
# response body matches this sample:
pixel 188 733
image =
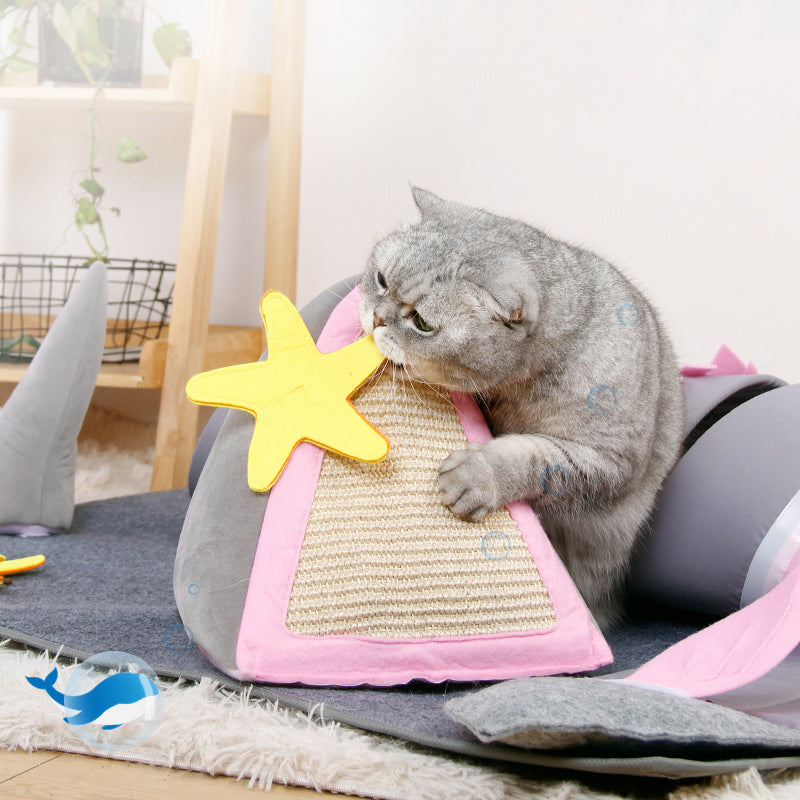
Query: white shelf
pixel 171 93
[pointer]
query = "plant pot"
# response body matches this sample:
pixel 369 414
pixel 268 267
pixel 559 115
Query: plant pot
pixel 113 27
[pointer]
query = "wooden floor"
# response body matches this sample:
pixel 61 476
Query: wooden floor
pixel 45 774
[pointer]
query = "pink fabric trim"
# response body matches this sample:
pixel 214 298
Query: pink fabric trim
pixel 725 362
pixel 268 651
pixel 736 650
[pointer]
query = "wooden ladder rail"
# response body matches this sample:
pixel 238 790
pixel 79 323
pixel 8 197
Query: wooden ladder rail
pixel 210 137
pixel 197 248
pixel 285 137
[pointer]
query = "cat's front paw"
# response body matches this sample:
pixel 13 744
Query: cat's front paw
pixel 467 484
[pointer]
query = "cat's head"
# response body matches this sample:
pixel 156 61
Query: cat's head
pixel 451 298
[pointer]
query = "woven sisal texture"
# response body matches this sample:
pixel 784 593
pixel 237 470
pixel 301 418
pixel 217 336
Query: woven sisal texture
pixel 383 558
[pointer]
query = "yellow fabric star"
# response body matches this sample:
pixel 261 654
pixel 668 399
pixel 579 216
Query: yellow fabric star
pixel 297 394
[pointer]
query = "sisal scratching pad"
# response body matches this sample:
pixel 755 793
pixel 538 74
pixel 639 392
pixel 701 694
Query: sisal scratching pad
pixel 382 557
pixel 362 576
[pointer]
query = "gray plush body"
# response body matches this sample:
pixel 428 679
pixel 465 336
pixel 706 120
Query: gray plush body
pixel 573 369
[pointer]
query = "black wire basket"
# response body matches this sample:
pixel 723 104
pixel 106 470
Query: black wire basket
pixel 33 289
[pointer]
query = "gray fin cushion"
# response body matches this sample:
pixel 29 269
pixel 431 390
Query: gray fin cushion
pixel 40 422
pixel 603 716
pixel 222 526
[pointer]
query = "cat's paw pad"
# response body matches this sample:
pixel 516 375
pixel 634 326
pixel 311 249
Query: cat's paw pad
pixel 467 484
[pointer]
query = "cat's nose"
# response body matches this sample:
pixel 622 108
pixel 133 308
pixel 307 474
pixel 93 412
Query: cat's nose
pixel 376 320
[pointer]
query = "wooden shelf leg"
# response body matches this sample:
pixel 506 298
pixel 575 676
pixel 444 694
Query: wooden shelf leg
pixel 283 164
pixel 202 204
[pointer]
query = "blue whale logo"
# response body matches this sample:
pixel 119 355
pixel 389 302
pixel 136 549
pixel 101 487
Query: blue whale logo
pixel 117 699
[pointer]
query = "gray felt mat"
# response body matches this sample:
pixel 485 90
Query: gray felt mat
pixel 107 585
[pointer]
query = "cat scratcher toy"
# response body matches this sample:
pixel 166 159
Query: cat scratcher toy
pixel 736 487
pixel 723 540
pixel 360 575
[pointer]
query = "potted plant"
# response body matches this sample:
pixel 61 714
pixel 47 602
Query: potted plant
pixel 91 42
pixel 88 42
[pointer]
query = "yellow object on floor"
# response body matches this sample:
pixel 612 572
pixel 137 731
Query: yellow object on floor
pixel 16 565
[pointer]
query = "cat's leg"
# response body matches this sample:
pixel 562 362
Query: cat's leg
pixel 588 503
pixel 486 476
pixel 596 548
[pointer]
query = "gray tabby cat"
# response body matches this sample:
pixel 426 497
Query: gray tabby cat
pixel 573 370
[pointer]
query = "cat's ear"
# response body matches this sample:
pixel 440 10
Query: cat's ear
pixel 427 202
pixel 505 306
pixel 509 318
pixel 512 308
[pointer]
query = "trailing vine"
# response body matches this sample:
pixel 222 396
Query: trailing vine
pixel 78 25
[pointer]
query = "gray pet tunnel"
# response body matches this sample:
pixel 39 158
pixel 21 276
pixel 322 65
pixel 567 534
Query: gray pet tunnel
pixel 724 515
pixel 730 510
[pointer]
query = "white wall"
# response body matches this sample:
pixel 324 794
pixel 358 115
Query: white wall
pixel 661 134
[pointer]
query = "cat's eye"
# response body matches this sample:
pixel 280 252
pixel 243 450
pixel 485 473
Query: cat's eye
pixel 381 281
pixel 420 323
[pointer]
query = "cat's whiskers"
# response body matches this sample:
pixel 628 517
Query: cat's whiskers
pixel 444 395
pixel 398 389
pixel 377 374
pixel 406 403
pixel 394 374
pixel 411 382
pixel 479 396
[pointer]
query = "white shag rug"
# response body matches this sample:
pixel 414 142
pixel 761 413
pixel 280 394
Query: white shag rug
pixel 207 729
pixel 115 456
